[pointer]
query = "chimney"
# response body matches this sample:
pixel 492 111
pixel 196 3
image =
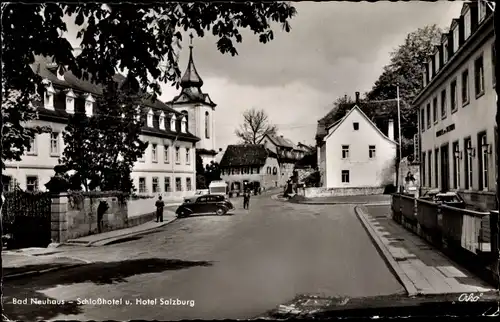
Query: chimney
pixel 390 129
pixel 357 97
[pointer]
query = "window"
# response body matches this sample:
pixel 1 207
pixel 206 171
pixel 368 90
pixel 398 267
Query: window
pixel 166 158
pixel 154 152
pixel 437 61
pixel 465 87
pixel 173 126
pixel 161 121
pixel 275 170
pixel 9 183
pixel 435 109
pixel 345 176
pixel 88 108
pixel 456 165
pixel 436 168
pixel 156 186
pixel 493 62
pixel 455 39
pixel 150 118
pixel 429 116
pixel 467 25
pixel 483 161
pixel 345 152
pixel 207 125
pixel 188 156
pixel 31 183
pixel 142 185
pixel 268 171
pixel 422 120
pixel 49 97
pixel 188 184
pixel 371 151
pixel 32 149
pixel 468 163
pixel 355 125
pixel 258 170
pixel 443 104
pixel 183 125
pixel 54 143
pixel 423 169
pixel 431 68
pixel 429 156
pixel 453 96
pixel 482 10
pixel 167 186
pixel 177 155
pixel 445 52
pixel 479 75
pixel 178 184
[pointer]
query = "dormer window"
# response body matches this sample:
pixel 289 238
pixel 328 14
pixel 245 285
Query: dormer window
pixel 49 96
pixel 437 61
pixel 467 25
pixel 162 121
pixel 172 123
pixel 89 105
pixel 183 124
pixel 445 52
pixel 70 102
pixel 482 10
pixel 455 39
pixel 150 118
pixel 431 70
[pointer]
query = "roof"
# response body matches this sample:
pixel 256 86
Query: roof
pixel 43 67
pixel 245 155
pixel 337 125
pixel 191 77
pixel 371 109
pixel 281 141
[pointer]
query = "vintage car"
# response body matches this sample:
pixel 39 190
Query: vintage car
pixel 198 193
pixel 206 204
pixel 448 198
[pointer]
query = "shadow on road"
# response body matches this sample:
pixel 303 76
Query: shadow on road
pixel 100 273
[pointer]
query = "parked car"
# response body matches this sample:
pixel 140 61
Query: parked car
pixel 448 198
pixel 217 204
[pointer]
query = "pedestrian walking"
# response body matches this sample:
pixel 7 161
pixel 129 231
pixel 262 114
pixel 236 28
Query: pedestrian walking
pixel 246 199
pixel 159 209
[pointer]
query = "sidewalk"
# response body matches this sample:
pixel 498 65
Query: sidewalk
pixel 420 268
pixel 339 200
pixel 115 235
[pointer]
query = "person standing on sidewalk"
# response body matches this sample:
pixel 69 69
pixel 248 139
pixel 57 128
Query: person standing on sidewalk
pixel 246 199
pixel 101 209
pixel 159 209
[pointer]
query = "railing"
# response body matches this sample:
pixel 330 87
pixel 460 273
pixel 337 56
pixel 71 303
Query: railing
pixel 408 209
pixel 465 228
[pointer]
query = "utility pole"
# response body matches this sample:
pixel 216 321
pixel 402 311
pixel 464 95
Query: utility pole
pixel 399 139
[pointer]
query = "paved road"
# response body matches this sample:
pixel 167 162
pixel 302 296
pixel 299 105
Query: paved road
pixel 236 267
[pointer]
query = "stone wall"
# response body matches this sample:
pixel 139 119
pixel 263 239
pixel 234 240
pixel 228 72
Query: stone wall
pixel 330 192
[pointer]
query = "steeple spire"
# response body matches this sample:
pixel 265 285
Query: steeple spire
pixel 191 77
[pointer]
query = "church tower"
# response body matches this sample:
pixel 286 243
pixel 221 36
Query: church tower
pixel 199 109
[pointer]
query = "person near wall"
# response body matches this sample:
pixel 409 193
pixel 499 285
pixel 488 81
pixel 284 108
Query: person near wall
pixel 101 210
pixel 246 199
pixel 159 209
pixel 410 186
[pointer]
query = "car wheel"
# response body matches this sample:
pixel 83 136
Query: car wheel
pixel 182 214
pixel 221 211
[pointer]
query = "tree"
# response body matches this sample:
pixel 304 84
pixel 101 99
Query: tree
pixel 255 127
pixel 212 172
pixel 200 173
pixel 406 68
pixel 141 38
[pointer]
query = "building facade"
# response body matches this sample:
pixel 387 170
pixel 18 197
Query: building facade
pixel 355 153
pixel 168 164
pixel 199 109
pixel 457 110
pixel 249 163
pixel 288 154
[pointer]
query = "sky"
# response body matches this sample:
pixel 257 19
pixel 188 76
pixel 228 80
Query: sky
pixel 333 49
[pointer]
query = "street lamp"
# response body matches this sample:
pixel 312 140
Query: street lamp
pixel 471 151
pixel 458 154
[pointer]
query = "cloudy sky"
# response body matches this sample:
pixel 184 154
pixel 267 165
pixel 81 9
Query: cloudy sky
pixel 334 48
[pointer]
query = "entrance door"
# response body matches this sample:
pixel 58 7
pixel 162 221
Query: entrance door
pixel 445 168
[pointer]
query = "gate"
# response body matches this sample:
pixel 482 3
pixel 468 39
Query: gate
pixel 26 218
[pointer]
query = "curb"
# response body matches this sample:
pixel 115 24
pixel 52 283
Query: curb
pixel 365 203
pixel 391 263
pixel 40 272
pixel 115 238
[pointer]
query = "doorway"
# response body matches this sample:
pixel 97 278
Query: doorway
pixel 445 168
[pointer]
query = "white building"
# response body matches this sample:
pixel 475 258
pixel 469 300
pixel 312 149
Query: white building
pixel 167 167
pixel 354 153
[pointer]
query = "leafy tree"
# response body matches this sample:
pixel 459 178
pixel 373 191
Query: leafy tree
pixel 212 172
pixel 255 126
pixel 135 37
pixel 200 173
pixel 405 69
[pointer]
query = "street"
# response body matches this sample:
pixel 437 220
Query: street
pixel 235 266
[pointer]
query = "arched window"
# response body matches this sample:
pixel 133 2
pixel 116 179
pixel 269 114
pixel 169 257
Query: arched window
pixel 173 121
pixel 207 125
pixel 268 170
pixel 275 170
